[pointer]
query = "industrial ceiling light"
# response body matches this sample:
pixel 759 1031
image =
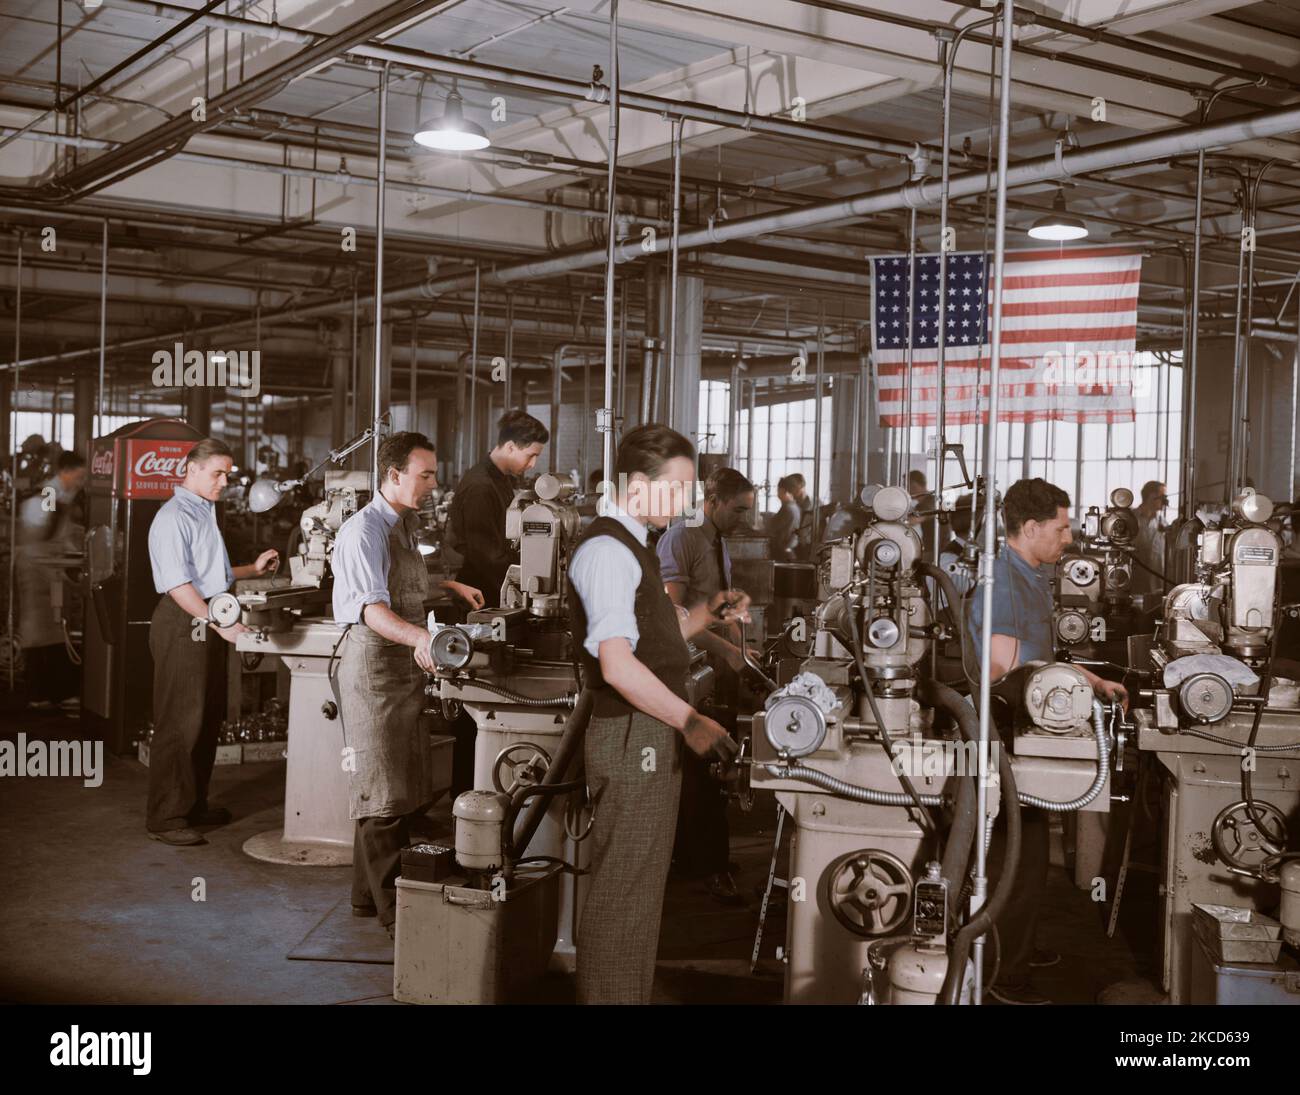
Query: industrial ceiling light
pixel 451 132
pixel 1058 224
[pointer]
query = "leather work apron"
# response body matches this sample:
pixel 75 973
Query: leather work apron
pixel 381 693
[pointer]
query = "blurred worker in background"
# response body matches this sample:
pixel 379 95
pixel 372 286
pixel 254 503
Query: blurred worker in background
pixel 923 507
pixel 477 520
pixel 51 527
pixel 696 567
pixel 1150 546
pixel 783 525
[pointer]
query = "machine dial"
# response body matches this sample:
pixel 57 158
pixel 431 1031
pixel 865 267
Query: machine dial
pixel 1206 697
pixel 224 610
pixel 1243 842
pixel 451 648
pixel 882 633
pixel 1071 627
pixel 520 765
pixel 795 726
pixel 1082 572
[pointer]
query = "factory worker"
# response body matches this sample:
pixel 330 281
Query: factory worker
pixel 1150 546
pixel 190 567
pixel 380 588
pixel 634 657
pixel 50 528
pixel 477 520
pixel 1037 518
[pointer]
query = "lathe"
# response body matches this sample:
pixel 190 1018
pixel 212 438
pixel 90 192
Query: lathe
pixel 851 746
pixel 1225 731
pixel 1094 582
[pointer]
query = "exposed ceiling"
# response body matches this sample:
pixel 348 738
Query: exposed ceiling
pixel 213 223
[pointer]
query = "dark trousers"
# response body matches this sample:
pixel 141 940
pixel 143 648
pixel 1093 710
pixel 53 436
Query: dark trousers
pixel 51 676
pixel 377 844
pixel 702 844
pixel 189 702
pixel 1019 920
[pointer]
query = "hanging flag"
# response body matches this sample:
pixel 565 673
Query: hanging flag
pixel 1069 334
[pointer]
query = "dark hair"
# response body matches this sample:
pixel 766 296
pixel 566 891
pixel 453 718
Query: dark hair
pixel 521 428
pixel 648 448
pixel 962 512
pixel 796 481
pixel 1151 488
pixel 785 483
pixel 70 461
pixel 725 483
pixel 916 475
pixel 595 479
pixel 204 450
pixel 1031 500
pixel 395 452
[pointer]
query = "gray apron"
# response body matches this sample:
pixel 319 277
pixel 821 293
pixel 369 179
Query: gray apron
pixel 381 693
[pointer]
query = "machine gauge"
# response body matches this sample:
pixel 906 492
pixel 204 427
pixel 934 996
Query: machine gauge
pixel 795 726
pixel 1071 627
pixel 882 633
pixel 1082 572
pixel 1206 697
pixel 224 610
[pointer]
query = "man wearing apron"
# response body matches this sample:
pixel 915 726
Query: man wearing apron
pixel 380 586
pixel 632 643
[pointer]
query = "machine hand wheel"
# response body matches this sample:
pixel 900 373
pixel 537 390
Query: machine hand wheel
pixel 1243 843
pixel 520 765
pixel 870 892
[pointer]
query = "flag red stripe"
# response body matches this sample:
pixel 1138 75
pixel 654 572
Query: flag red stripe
pixel 1075 335
pixel 1068 307
pixel 1066 254
pixel 1054 281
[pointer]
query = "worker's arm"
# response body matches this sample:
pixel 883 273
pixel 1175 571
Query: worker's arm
pixel 197 608
pixel 385 622
pixel 695 626
pixel 628 675
pixel 266 563
pixel 1004 656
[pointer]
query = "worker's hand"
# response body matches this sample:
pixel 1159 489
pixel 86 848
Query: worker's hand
pixel 707 738
pixel 423 658
pixel 1108 690
pixel 231 633
pixel 730 605
pixel 471 596
pixel 268 562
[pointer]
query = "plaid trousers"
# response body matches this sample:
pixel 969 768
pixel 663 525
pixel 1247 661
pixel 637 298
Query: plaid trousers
pixel 635 776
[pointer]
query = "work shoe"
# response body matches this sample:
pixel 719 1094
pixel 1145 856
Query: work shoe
pixel 364 910
pixel 722 888
pixel 1042 958
pixel 391 929
pixel 213 815
pixel 1021 993
pixel 179 837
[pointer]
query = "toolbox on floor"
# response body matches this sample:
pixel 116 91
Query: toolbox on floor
pixel 1216 982
pixel 458 945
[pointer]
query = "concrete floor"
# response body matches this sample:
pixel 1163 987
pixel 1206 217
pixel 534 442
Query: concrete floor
pixel 92 911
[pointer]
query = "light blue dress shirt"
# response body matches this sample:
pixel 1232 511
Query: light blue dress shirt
pixel 185 545
pixel 605 574
pixel 361 560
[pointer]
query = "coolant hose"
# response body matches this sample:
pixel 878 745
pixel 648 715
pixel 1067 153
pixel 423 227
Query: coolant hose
pixel 568 700
pixel 1103 768
pixel 959 952
pixel 965 823
pixel 949 587
pixel 571 739
pixel 848 790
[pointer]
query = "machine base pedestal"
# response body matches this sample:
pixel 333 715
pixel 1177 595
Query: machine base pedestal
pixel 271 847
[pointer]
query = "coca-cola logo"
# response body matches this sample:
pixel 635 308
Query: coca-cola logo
pixel 152 466
pixel 102 464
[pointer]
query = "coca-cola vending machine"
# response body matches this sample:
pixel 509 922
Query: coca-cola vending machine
pixel 133 471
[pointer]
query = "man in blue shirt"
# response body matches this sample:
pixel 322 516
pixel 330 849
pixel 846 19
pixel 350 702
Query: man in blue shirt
pixel 190 567
pixel 1037 519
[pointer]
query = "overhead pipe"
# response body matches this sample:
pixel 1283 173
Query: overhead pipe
pixel 1160 146
pixel 990 481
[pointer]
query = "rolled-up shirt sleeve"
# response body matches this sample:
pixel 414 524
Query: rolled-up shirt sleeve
pixel 170 555
pixel 605 575
pixel 360 562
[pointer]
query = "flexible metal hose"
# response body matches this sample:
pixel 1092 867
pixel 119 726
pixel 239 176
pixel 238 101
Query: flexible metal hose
pixel 848 790
pixel 566 701
pixel 1103 759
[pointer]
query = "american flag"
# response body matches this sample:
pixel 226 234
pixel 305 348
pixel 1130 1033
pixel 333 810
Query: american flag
pixel 1069 330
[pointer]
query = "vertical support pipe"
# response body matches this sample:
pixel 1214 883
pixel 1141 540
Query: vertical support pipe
pixel 380 183
pixel 672 290
pixel 586 417
pixel 412 379
pixel 1189 367
pixel 605 420
pixel 620 397
pixel 862 470
pixel 356 326
pixel 507 391
pixel 103 329
pixel 991 476
pixel 733 408
pixel 749 440
pixel 472 421
pixel 557 361
pixel 817 423
pixel 11 639
pixel 1295 418
pixel 1243 421
pixel 905 444
pixel 1230 479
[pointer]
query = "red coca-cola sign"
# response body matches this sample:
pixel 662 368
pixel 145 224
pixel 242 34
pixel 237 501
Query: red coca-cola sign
pixel 152 469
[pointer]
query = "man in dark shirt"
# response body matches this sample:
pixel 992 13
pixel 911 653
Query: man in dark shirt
pixel 477 520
